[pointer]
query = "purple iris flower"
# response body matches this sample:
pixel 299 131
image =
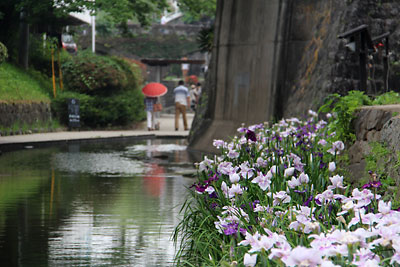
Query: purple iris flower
pixel 243 231
pixel 250 135
pixel 300 191
pixel 280 152
pixel 231 229
pixel 299 143
pixel 252 205
pixel 322 165
pixel 212 178
pixel 213 195
pixel 376 184
pixel 213 205
pixel 277 137
pixel 367 185
pixel 330 208
pixel 308 201
pixel 259 126
pixel 199 188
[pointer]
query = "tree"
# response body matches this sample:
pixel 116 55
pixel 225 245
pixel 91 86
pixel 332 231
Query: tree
pixel 19 17
pixel 196 9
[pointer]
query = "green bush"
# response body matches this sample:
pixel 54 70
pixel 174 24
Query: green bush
pixel 59 105
pixel 92 74
pixel 107 88
pixel 120 109
pixel 98 111
pixel 387 99
pixel 132 71
pixel 3 53
pixel 343 108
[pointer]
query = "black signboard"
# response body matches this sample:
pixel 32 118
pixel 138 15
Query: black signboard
pixel 73 113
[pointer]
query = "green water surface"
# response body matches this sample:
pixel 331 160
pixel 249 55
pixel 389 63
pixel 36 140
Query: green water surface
pixel 103 204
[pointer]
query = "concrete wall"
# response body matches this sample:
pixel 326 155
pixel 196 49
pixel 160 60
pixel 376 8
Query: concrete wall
pixel 258 48
pixel 242 84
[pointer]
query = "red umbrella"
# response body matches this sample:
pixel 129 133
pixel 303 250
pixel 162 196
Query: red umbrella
pixel 154 89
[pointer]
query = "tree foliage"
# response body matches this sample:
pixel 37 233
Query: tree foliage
pixel 198 8
pixel 50 16
pixel 120 10
pixel 123 10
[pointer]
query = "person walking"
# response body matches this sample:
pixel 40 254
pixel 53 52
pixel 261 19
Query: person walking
pixel 197 93
pixel 157 108
pixel 182 99
pixel 185 69
pixel 193 98
pixel 149 105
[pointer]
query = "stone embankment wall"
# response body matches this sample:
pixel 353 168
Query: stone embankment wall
pixel 35 113
pixel 328 66
pixel 375 124
pixel 280 58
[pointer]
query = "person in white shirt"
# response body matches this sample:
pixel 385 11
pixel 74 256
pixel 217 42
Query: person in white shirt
pixel 185 69
pixel 182 99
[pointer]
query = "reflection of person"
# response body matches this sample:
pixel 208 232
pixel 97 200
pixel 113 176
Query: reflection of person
pixel 149 103
pixel 182 99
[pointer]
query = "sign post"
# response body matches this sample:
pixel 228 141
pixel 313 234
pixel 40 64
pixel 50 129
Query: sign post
pixel 73 113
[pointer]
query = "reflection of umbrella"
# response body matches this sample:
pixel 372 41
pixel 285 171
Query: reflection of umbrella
pixel 154 181
pixel 154 89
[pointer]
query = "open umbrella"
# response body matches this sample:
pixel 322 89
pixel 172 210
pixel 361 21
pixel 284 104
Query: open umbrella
pixel 154 89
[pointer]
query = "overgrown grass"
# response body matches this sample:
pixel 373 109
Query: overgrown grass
pixel 17 85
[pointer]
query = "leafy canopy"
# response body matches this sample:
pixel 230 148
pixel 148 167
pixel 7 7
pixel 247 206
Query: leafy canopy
pixel 196 9
pixel 120 10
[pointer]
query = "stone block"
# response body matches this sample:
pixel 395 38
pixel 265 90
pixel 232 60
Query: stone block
pixel 390 133
pixel 373 136
pixel 358 150
pixel 368 119
pixel 357 171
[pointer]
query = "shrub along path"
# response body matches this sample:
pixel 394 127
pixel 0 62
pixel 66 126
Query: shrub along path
pixel 32 140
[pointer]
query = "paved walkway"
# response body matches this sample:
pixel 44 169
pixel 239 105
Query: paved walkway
pixel 166 130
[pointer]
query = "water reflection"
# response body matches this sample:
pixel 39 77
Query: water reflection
pixel 154 181
pixel 92 205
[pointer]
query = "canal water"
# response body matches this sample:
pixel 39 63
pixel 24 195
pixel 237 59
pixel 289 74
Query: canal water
pixel 98 204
